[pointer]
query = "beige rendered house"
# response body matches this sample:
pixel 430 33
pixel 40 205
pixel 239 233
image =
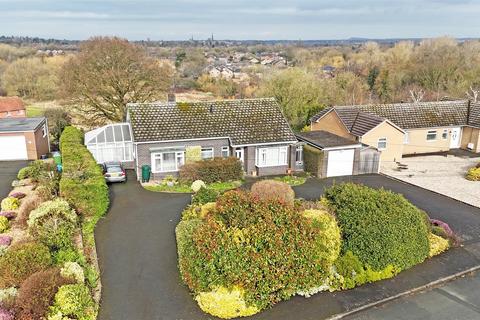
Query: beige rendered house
pixel 406 128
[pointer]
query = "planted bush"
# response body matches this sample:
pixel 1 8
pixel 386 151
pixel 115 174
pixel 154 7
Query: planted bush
pixel 473 174
pixel 380 227
pixel 272 189
pixel 204 195
pixel 21 261
pixel 214 170
pixel 37 292
pixel 4 224
pixel 10 203
pixel 74 300
pixel 7 297
pixel 8 214
pixel 18 195
pixel 33 171
pixel 73 271
pixel 254 252
pixel 53 223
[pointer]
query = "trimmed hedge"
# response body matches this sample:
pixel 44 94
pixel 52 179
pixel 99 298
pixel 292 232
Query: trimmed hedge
pixel 82 183
pixel 380 227
pixel 272 189
pixel 214 170
pixel 263 248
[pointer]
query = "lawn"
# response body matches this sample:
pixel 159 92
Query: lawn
pixel 35 111
pixel 292 180
pixel 185 188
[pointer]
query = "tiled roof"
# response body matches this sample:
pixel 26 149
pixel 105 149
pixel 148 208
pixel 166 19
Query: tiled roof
pixel 474 116
pixel 11 104
pixel 324 139
pixel 20 124
pixel 413 115
pixel 248 121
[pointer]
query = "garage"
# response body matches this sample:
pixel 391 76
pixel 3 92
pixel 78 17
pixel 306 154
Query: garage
pixel 13 148
pixel 340 162
pixel 329 155
pixel 23 138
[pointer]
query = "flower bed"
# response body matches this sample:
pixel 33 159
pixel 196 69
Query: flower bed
pixel 42 255
pixel 292 180
pixel 246 251
pixel 171 184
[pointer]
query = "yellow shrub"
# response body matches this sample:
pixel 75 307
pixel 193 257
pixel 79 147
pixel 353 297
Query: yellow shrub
pixel 473 174
pixel 225 303
pixel 10 203
pixel 206 208
pixel 330 237
pixel 437 244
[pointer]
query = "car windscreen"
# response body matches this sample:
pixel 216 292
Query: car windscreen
pixel 114 169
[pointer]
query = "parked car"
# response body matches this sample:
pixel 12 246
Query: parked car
pixel 113 172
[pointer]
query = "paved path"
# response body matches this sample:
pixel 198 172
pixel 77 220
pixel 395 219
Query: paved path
pixel 8 173
pixel 458 299
pixel 137 252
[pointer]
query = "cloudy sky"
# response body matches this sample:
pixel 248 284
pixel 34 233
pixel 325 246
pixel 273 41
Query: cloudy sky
pixel 240 19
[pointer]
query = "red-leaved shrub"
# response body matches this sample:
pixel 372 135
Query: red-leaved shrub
pixel 214 170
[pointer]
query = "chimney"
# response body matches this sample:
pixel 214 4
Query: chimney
pixel 171 98
pixel 468 111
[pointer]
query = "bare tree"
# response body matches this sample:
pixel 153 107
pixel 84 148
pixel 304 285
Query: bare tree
pixel 109 73
pixel 417 95
pixel 472 93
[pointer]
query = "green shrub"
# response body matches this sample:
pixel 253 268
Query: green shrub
pixel 53 223
pixel 214 170
pixel 68 254
pixel 4 224
pixel 21 261
pixel 265 248
pixel 73 271
pixel 37 292
pixel 473 174
pixel 272 189
pixel 204 195
pixel 380 227
pixel 24 173
pixel 82 183
pixel 10 204
pixel 74 300
pixel 34 170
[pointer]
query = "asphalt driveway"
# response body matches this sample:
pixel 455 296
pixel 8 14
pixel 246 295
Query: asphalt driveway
pixel 137 253
pixel 8 173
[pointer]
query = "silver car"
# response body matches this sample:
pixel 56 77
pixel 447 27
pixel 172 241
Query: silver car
pixel 113 172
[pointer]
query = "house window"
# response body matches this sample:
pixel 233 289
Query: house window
pixel 167 161
pixel 445 134
pixel 382 144
pixel 299 154
pixel 431 135
pixel 44 130
pixel 272 156
pixel 207 153
pixel 406 138
pixel 225 152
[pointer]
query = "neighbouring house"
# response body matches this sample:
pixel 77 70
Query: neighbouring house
pixel 12 107
pixel 165 135
pixel 405 128
pixel 23 138
pixel 326 154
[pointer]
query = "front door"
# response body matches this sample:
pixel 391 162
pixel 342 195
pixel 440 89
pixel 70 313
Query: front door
pixel 455 138
pixel 239 154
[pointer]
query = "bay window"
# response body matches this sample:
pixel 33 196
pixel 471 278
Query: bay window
pixel 272 156
pixel 167 161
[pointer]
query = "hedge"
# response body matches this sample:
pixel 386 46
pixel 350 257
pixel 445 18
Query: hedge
pixel 82 183
pixel 380 227
pixel 214 170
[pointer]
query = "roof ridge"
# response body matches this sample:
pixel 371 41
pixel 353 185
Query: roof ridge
pixel 401 104
pixel 166 103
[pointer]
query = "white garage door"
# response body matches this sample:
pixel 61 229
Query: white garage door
pixel 13 148
pixel 340 163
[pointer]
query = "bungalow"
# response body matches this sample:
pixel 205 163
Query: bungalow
pixel 23 138
pixel 405 128
pixel 165 135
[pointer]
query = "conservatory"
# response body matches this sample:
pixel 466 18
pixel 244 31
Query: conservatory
pixel 112 142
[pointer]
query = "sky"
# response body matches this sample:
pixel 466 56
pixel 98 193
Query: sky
pixel 241 19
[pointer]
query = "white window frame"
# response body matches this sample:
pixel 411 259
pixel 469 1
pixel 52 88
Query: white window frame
pixel 406 138
pixel 431 132
pixel 299 155
pixel 445 134
pixel 382 140
pixel 159 155
pixel 263 154
pixel 44 130
pixel 207 150
pixel 225 152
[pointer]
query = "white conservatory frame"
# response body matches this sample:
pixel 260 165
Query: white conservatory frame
pixel 113 142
